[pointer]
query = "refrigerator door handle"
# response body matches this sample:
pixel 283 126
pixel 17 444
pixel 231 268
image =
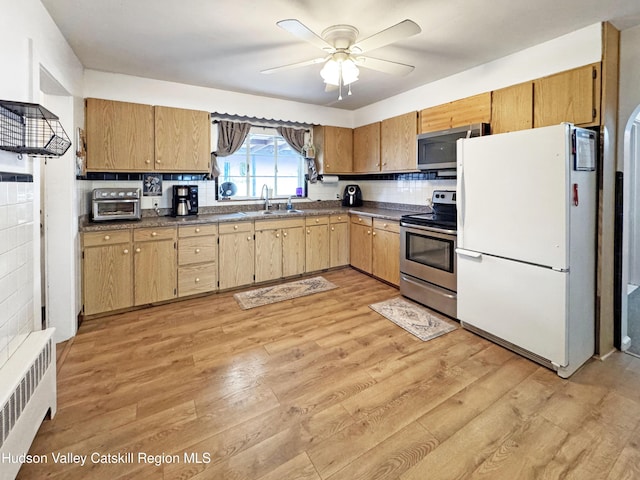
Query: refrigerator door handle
pixel 460 190
pixel 468 253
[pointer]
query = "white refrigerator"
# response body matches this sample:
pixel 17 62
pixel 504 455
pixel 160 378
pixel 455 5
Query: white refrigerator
pixel 527 242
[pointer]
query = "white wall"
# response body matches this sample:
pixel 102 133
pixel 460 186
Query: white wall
pixel 29 41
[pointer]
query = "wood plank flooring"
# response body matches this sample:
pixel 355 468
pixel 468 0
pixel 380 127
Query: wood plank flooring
pixel 324 388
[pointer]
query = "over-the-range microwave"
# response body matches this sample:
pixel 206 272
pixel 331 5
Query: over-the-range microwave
pixel 437 150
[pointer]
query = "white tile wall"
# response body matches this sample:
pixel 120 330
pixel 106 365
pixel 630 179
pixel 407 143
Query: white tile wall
pixel 16 265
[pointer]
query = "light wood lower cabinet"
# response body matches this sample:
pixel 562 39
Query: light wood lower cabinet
pixel 360 244
pixel 236 254
pixel 338 240
pixel 154 265
pixel 197 259
pixel 280 248
pixel 107 280
pixel 317 243
pixel 386 250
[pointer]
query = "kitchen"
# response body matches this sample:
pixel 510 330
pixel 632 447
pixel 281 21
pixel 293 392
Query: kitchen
pixel 103 85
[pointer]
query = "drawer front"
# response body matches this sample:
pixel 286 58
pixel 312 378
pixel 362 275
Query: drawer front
pixel 111 237
pixel 323 220
pixel 388 225
pixel 197 230
pixel 235 227
pixel 342 218
pixel 197 279
pixel 145 234
pixel 197 250
pixel 361 220
pixel 278 224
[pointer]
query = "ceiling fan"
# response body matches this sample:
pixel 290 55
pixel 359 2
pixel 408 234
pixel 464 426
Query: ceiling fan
pixel 344 53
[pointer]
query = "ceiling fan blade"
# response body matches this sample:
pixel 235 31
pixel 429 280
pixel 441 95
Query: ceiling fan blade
pixel 393 68
pixel 296 28
pixel 294 65
pixel 401 30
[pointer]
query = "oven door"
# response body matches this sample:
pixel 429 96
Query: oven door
pixel 429 255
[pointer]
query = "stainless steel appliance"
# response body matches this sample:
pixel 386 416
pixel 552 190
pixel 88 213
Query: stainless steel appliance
pixel 427 255
pixel 185 200
pixel 115 204
pixel 352 196
pixel 437 150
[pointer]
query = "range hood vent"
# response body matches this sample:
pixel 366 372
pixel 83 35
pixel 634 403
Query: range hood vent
pixel 32 129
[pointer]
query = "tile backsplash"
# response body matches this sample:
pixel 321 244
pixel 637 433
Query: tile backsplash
pixel 16 264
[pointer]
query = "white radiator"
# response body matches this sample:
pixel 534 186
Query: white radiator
pixel 27 393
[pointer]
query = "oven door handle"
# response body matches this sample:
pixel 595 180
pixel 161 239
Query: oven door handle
pixel 468 253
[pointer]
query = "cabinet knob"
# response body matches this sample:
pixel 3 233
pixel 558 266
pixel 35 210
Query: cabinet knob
pixel 384 225
pixel 359 219
pixel 235 227
pixel 277 235
pixel 147 161
pixel 308 232
pixel 374 234
pixel 137 250
pixel 333 229
pixel 158 161
pixel 125 251
pixel 197 250
pixel 197 230
pixel 154 234
pixel 384 163
pixel 248 238
pixel 285 234
pixel 368 232
pixel 107 237
pixel 197 279
pixel 339 217
pixel 317 220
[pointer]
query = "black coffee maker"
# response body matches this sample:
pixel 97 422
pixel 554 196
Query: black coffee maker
pixel 185 200
pixel 352 196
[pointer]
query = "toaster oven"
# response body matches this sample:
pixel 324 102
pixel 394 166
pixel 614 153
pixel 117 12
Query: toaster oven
pixel 115 204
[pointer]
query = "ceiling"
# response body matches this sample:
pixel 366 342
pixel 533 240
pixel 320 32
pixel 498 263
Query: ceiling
pixel 225 44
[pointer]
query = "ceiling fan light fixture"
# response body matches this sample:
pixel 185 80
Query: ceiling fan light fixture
pixel 339 72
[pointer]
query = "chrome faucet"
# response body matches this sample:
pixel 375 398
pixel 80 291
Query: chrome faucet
pixel 265 195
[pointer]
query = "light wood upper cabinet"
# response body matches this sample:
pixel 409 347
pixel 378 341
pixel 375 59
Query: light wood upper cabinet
pixel 334 149
pixel 182 140
pixel 572 96
pixel 107 271
pixel 475 109
pixel 236 254
pixel 366 148
pixel 398 143
pixel 155 265
pixel 512 108
pixel 119 136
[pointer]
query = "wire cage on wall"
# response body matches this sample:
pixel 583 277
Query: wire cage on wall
pixel 32 129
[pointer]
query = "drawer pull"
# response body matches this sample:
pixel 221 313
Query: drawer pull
pixel 248 238
pixel 359 219
pixel 384 225
pixel 107 237
pixel 125 251
pixel 339 218
pixel 235 227
pixel 197 230
pixel 197 279
pixel 197 250
pixel 317 220
pixel 154 234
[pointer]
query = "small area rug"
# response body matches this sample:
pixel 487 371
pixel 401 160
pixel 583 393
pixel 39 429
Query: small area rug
pixel 285 291
pixel 415 319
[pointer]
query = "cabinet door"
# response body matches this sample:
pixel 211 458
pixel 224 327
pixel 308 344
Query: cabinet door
pixel 386 256
pixel 512 108
pixel 339 244
pixel 435 118
pixel 572 96
pixel 336 148
pixel 475 109
pixel 268 255
pixel 236 259
pixel 119 136
pixel 398 143
pixel 293 251
pixel 107 278
pixel 360 252
pixel 317 247
pixel 182 140
pixel 366 148
pixel 155 271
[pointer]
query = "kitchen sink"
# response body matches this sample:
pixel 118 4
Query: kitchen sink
pixel 294 211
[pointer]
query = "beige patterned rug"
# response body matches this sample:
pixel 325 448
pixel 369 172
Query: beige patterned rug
pixel 415 319
pixel 285 291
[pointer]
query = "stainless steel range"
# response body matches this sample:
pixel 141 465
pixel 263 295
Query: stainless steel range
pixel 427 255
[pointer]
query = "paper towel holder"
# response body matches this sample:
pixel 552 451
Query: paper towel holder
pixel 328 178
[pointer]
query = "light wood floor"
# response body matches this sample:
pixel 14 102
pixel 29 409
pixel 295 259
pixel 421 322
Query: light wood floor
pixel 322 387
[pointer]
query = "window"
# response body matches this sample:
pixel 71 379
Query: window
pixel 264 158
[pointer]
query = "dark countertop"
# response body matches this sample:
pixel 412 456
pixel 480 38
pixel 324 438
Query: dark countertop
pixel 168 221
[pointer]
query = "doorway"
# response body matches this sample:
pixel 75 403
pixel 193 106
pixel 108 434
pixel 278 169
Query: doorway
pixel 630 292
